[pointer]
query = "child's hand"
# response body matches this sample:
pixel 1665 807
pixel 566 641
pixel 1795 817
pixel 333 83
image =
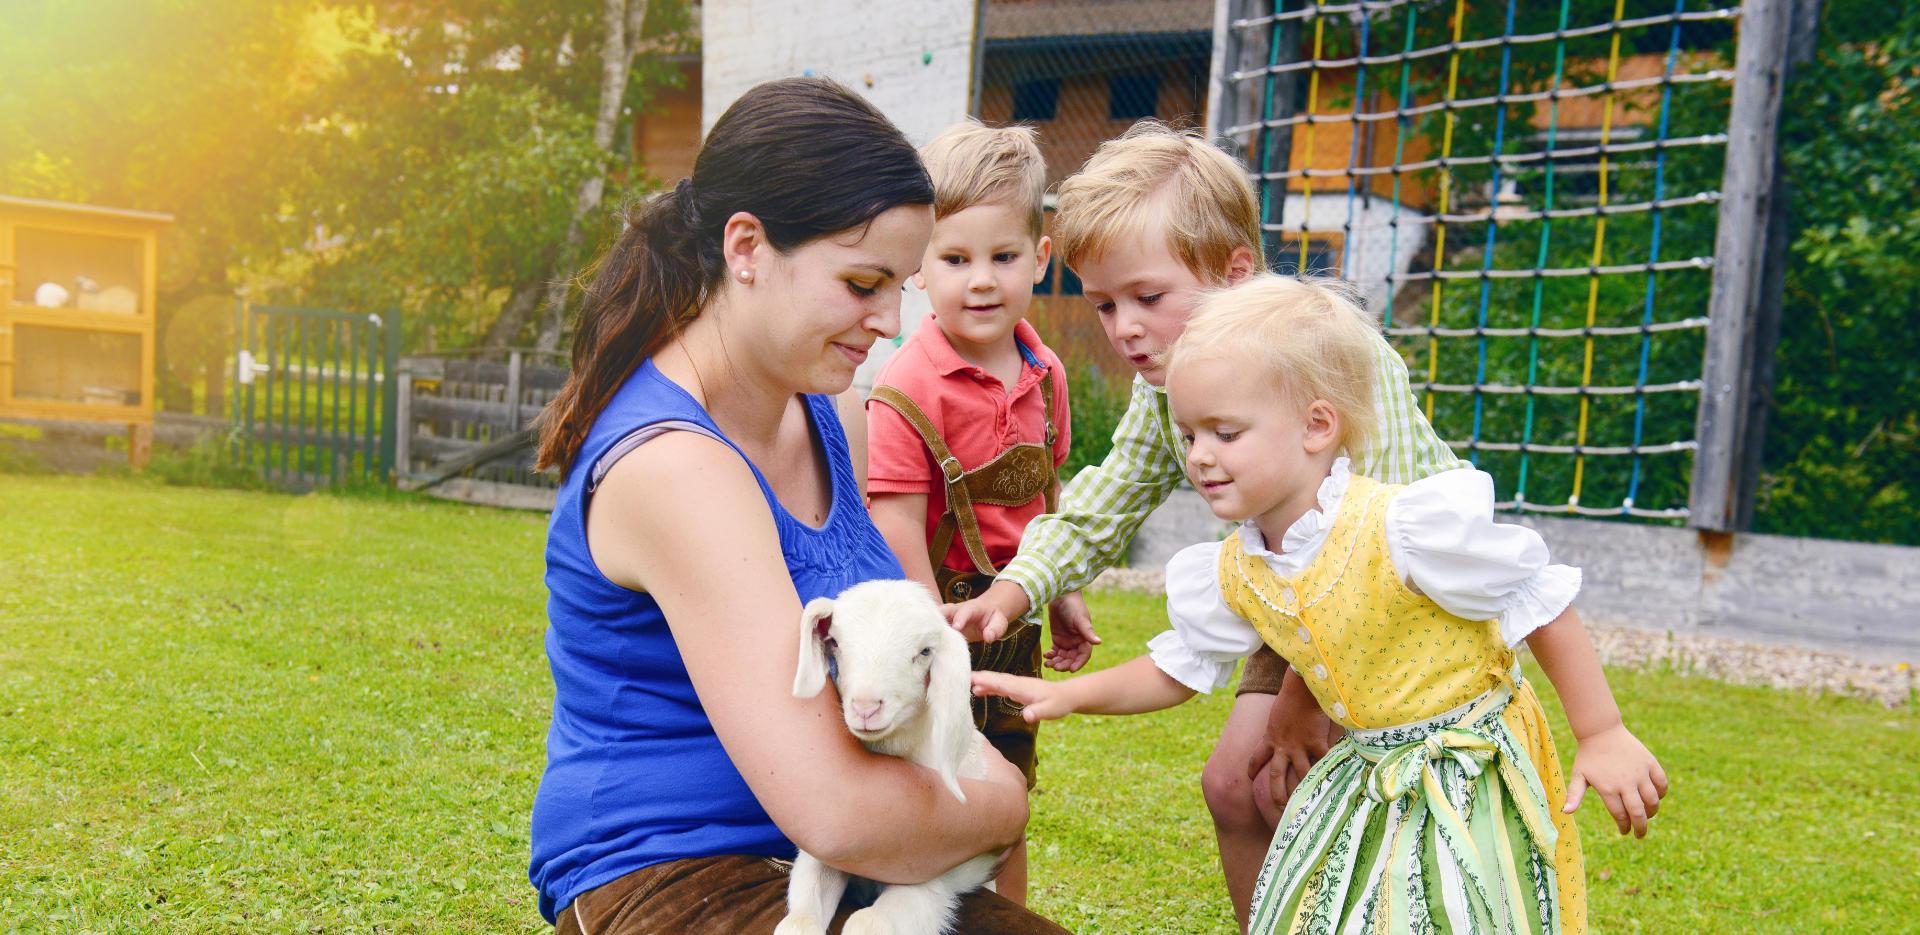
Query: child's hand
pixel 1042 700
pixel 1072 630
pixel 1621 768
pixel 984 619
pixel 977 620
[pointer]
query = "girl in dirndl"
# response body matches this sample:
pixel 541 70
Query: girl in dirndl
pixel 1444 808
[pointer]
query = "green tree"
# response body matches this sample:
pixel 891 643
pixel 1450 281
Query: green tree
pixel 452 174
pixel 144 106
pixel 426 156
pixel 1842 452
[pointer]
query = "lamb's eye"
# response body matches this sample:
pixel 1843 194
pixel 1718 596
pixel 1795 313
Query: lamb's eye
pixel 927 651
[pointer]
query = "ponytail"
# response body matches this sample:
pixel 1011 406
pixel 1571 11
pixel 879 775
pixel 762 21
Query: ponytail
pixel 644 291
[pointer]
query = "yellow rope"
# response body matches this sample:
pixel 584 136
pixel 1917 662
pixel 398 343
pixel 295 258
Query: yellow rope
pixel 1599 246
pixel 1446 188
pixel 1313 103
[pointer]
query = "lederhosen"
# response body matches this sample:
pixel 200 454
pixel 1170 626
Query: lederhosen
pixel 1012 478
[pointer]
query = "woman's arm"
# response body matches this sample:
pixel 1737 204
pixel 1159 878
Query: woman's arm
pixel 902 518
pixel 713 562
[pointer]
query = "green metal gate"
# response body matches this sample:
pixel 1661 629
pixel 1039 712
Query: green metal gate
pixel 313 405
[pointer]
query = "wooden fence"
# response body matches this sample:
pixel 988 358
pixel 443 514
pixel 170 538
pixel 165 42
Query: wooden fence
pixel 452 407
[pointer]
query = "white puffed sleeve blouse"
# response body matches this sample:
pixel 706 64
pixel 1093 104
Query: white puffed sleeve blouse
pixel 1441 537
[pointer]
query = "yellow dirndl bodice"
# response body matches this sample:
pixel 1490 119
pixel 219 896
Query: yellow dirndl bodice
pixel 1378 654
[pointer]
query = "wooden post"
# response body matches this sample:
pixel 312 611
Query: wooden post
pixel 389 395
pixel 1802 40
pixel 1747 191
pixel 514 362
pixel 977 68
pixel 403 421
pixel 1231 102
pixel 139 444
pixel 1247 102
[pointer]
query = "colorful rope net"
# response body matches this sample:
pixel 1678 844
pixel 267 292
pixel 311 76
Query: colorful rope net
pixel 1527 196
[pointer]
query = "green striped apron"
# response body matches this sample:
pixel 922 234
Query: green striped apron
pixel 1439 826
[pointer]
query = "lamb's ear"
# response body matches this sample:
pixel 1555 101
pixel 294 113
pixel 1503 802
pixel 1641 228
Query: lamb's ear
pixel 810 675
pixel 950 708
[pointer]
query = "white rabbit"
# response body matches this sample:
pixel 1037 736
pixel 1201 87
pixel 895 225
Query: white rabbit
pixel 903 677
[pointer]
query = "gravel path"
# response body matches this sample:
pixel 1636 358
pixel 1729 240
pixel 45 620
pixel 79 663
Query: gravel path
pixel 1735 661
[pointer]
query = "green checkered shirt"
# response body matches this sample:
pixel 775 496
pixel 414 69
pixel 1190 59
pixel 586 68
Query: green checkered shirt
pixel 1103 506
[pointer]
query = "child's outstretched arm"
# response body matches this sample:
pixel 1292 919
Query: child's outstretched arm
pixel 1099 512
pixel 1133 687
pixel 1608 757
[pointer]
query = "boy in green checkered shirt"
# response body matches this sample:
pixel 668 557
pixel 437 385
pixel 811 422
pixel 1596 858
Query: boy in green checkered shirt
pixel 1151 222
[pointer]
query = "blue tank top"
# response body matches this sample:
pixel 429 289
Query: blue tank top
pixel 635 775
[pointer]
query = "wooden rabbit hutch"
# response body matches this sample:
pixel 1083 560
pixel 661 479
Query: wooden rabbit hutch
pixel 77 315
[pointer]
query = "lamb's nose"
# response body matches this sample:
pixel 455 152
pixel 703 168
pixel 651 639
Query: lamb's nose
pixel 864 709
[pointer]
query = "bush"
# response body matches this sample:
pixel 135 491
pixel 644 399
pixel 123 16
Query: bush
pixel 1843 438
pixel 1099 384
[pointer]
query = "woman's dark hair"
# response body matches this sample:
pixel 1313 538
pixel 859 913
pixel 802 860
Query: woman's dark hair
pixel 804 155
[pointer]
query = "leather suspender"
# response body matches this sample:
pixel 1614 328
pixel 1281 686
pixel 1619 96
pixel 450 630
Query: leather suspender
pixel 959 516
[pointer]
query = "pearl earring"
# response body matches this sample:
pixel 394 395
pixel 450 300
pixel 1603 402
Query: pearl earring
pixel 746 275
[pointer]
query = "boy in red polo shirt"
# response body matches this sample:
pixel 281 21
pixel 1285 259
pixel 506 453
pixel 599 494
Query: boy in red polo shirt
pixel 967 424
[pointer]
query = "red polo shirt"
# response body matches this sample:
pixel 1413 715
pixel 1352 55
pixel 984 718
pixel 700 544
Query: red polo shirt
pixel 978 418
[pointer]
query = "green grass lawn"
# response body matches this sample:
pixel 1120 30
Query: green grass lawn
pixel 226 711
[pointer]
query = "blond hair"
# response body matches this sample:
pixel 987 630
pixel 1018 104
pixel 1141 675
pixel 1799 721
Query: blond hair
pixel 974 164
pixel 1156 173
pixel 1308 336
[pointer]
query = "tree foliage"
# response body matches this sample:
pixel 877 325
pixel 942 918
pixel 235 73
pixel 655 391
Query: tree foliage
pixel 411 154
pixel 1843 443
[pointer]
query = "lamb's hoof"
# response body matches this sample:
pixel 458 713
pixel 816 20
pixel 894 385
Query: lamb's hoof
pixel 868 922
pixel 800 925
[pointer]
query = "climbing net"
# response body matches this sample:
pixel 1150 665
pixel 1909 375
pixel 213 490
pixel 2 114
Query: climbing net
pixel 1526 195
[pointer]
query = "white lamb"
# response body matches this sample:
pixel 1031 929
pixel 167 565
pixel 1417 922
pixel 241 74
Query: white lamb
pixel 903 678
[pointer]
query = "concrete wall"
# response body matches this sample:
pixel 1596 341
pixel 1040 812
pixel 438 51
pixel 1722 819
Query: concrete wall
pixel 912 58
pixel 1851 597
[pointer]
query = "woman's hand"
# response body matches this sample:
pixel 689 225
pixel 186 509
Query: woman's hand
pixel 1071 627
pixel 1630 781
pixel 1298 735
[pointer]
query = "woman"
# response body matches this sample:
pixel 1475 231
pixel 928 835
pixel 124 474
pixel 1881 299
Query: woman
pixel 708 493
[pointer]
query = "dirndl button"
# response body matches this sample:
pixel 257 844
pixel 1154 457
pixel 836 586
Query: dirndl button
pixel 1320 672
pixel 1305 637
pixel 1339 710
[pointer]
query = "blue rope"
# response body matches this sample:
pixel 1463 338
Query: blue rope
pixel 1402 127
pixel 1493 226
pixel 1659 192
pixel 1546 236
pixel 1266 132
pixel 1353 153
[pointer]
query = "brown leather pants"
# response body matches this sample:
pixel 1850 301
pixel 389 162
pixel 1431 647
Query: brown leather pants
pixel 1262 673
pixel 741 895
pixel 1000 719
